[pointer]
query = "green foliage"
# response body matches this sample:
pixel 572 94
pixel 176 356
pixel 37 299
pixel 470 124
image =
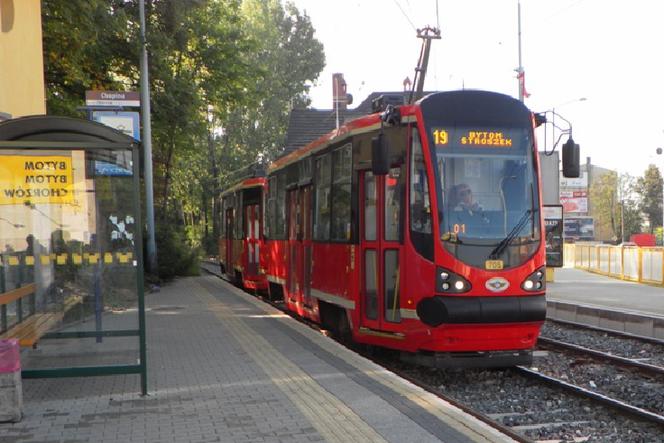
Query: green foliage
pixel 650 189
pixel 614 204
pixel 224 75
pixel 84 44
pixel 176 255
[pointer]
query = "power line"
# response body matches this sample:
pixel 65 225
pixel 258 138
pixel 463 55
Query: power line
pixel 405 15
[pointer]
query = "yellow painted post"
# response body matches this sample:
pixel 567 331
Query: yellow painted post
pixel 640 261
pixel 549 274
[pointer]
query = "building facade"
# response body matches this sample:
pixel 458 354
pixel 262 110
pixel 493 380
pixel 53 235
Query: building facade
pixel 21 59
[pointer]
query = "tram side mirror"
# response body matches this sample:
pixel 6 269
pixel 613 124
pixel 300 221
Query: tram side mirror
pixel 571 156
pixel 380 155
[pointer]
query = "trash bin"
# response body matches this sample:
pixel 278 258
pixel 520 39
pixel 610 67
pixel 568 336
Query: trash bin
pixel 11 390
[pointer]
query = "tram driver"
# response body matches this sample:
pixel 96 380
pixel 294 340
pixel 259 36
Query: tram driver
pixel 464 205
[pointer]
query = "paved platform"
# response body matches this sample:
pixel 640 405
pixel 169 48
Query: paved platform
pixel 225 367
pixel 576 285
pixel 584 297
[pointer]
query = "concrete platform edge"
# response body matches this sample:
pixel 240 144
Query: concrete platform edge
pixel 650 326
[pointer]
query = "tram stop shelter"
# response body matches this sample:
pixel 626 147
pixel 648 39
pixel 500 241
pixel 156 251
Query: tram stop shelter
pixel 71 265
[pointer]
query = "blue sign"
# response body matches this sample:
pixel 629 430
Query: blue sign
pixel 111 170
pixel 125 122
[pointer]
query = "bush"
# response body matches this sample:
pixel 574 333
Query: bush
pixel 175 255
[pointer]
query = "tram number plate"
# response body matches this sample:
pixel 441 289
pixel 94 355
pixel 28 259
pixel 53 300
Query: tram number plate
pixel 493 264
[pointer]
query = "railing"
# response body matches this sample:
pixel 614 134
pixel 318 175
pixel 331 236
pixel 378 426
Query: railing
pixel 633 263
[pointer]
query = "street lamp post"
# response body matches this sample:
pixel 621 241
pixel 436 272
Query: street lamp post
pixel 659 152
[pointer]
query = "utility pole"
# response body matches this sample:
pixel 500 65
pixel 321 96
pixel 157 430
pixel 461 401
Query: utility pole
pixel 520 72
pixel 147 146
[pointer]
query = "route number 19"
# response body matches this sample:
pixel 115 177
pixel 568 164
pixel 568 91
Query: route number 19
pixel 440 137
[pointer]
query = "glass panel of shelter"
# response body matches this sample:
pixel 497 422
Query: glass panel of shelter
pixel 68 226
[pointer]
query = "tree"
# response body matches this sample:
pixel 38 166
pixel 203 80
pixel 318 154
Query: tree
pixel 650 189
pixel 614 205
pixel 286 60
pixel 84 44
pixel 223 76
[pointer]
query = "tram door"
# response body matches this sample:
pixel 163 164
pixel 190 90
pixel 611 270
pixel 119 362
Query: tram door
pixel 380 230
pixel 307 228
pixel 230 235
pixel 253 237
pixel 295 246
pixel 299 246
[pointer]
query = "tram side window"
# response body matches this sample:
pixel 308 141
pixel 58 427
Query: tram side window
pixel 237 217
pixel 420 203
pixel 222 218
pixel 420 206
pixel 280 215
pixel 322 190
pixel 271 213
pixel 342 165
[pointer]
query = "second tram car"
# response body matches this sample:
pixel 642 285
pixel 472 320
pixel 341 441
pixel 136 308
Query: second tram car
pixel 416 228
pixel 241 238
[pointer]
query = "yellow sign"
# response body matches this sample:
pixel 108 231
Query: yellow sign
pixel 486 138
pixel 493 265
pixel 36 179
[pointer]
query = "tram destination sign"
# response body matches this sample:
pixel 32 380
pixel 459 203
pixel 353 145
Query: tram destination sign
pixel 113 98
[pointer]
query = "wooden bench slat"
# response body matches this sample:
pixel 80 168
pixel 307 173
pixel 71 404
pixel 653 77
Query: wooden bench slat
pixel 17 330
pixel 15 294
pixel 31 330
pixel 33 335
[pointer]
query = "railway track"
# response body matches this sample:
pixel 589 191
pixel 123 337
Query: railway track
pixel 544 403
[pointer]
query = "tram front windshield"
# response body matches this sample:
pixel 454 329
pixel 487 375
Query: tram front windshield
pixel 488 193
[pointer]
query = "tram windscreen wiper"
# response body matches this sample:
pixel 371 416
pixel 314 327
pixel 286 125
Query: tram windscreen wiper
pixel 513 233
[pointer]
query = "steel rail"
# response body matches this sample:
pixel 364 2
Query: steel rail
pixel 585 393
pixel 653 340
pixel 622 361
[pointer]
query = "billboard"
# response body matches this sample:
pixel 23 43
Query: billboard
pixel 580 182
pixel 579 228
pixel 574 204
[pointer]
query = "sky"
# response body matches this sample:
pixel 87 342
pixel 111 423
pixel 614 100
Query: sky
pixel 600 64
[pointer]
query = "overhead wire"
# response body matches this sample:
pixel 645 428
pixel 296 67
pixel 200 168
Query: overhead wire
pixel 396 2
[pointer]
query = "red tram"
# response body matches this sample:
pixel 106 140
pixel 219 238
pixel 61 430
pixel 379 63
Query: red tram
pixel 416 228
pixel 241 238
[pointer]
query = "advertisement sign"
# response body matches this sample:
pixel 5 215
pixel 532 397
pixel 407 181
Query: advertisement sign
pixel 580 182
pixel 574 204
pixel 28 179
pixel 553 223
pixel 579 228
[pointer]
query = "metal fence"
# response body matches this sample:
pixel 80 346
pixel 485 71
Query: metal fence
pixel 633 263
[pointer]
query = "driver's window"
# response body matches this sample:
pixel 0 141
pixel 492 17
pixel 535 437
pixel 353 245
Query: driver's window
pixel 420 206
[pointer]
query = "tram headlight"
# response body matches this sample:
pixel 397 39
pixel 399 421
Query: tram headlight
pixel 449 282
pixel 535 281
